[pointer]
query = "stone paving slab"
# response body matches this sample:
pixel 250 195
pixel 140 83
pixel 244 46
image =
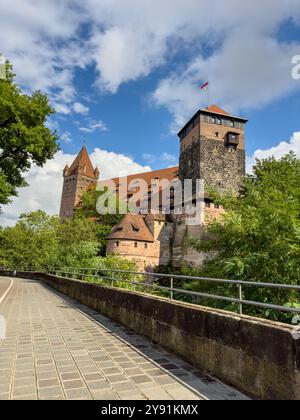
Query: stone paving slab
pixel 56 348
pixel 4 286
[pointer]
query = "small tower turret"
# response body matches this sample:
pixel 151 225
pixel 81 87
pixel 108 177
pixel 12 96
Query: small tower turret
pixel 77 179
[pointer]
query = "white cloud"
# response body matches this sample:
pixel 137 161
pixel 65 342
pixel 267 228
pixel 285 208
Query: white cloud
pixel 128 39
pixel 94 126
pixel 250 70
pixel 113 165
pixel 79 108
pixel 278 151
pixel 148 157
pixel 45 184
pixel 164 158
pixel 66 137
pixel 169 158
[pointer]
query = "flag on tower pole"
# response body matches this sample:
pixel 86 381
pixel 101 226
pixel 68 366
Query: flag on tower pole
pixel 205 86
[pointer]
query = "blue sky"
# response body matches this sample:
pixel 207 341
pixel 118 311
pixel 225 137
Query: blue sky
pixel 125 75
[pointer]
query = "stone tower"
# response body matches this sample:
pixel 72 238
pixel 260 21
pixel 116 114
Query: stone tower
pixel 77 179
pixel 212 148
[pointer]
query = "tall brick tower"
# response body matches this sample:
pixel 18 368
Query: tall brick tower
pixel 212 148
pixel 77 179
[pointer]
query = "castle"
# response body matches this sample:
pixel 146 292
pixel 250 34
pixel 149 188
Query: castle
pixel 212 148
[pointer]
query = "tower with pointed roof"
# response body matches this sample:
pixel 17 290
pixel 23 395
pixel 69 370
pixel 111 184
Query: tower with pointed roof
pixel 77 179
pixel 212 148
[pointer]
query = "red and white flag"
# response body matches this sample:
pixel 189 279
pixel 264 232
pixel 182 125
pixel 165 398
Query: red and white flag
pixel 205 86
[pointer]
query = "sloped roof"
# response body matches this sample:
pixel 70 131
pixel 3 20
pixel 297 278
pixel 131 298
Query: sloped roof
pixel 83 161
pixel 132 227
pixel 169 173
pixel 217 110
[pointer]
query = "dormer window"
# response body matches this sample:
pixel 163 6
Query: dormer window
pixel 135 228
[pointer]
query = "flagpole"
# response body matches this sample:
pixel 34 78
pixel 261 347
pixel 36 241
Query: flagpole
pixel 206 87
pixel 208 94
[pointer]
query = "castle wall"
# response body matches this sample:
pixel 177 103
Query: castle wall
pixel 83 183
pixel 209 131
pixel 73 188
pixel 146 255
pixel 68 198
pixel 222 168
pixel 143 257
pixel 182 251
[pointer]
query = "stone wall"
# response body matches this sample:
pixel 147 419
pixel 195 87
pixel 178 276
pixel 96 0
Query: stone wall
pixel 220 167
pixel 73 188
pixel 144 258
pixel 68 197
pixel 189 161
pixel 182 252
pixel 262 358
pixel 146 255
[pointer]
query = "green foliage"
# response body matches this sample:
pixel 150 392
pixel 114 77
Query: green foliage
pixel 77 243
pixel 24 137
pixel 32 242
pixel 259 236
pixel 41 242
pixel 104 223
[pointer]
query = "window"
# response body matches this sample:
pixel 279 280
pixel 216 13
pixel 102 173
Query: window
pixel 207 204
pixel 217 206
pixel 135 244
pixel 217 134
pixel 219 122
pixel 146 246
pixel 117 243
pixel 135 228
pixel 213 120
pixel 232 124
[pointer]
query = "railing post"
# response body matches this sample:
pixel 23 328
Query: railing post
pixel 172 286
pixel 241 298
pixel 112 279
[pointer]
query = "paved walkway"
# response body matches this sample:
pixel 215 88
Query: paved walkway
pixel 5 285
pixel 56 348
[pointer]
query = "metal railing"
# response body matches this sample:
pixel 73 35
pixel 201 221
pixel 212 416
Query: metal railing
pixel 146 281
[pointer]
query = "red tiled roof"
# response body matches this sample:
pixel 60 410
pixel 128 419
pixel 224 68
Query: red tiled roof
pixel 169 173
pixel 133 228
pixel 217 110
pixel 83 161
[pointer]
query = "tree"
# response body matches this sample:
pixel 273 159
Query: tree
pixel 104 223
pixel 259 236
pixel 32 242
pixel 77 242
pixel 41 242
pixel 24 137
